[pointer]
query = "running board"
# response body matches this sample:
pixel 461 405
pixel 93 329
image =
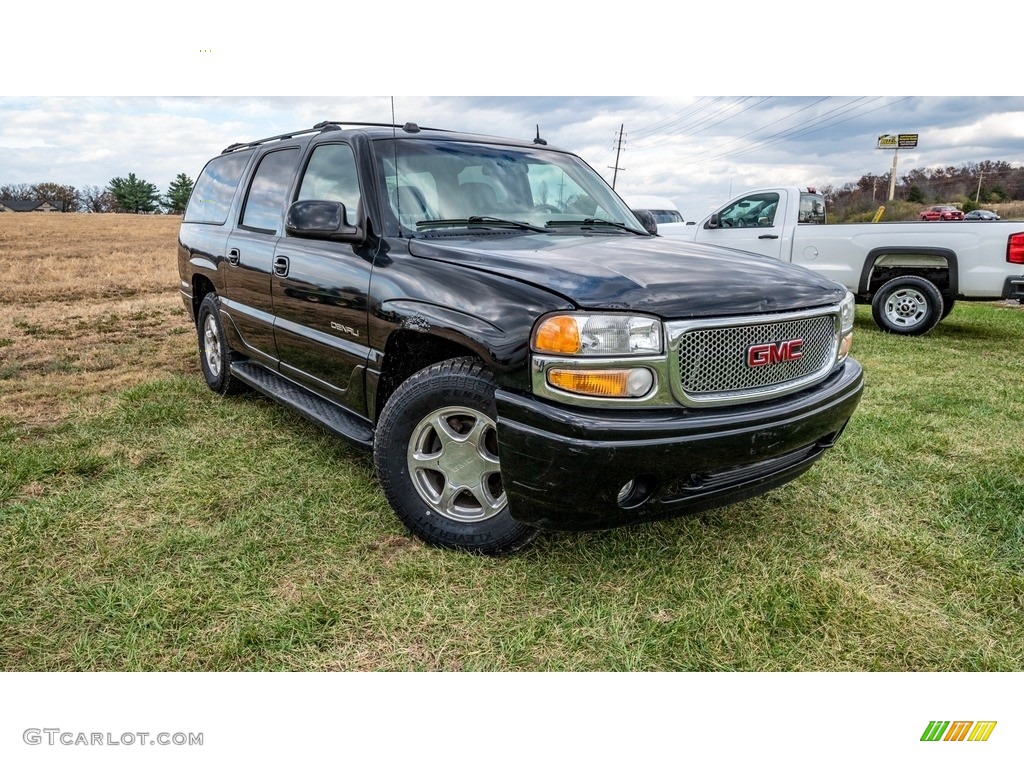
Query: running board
pixel 343 423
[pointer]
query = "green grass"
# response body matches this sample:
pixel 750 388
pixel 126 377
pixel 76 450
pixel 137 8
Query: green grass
pixel 175 530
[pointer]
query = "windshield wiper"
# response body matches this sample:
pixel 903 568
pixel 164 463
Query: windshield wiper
pixel 485 221
pixel 598 222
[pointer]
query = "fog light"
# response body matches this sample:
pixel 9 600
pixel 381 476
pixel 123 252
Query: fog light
pixel 625 491
pixel 636 492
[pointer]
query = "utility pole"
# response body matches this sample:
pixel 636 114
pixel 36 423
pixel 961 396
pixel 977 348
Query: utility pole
pixel 618 151
pixel 892 178
pixel 977 194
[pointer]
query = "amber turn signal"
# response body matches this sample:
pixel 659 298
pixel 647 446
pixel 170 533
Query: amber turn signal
pixel 632 382
pixel 559 334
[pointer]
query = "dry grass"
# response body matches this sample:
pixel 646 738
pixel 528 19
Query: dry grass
pixel 1013 210
pixel 88 305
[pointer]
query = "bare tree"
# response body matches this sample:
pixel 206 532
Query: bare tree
pixel 97 200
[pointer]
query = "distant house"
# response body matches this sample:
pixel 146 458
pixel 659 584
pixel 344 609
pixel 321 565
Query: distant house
pixel 31 206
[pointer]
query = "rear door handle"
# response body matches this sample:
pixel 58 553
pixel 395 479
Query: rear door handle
pixel 234 257
pixel 281 266
pixel 768 237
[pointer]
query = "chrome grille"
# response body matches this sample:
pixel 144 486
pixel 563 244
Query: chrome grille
pixel 711 357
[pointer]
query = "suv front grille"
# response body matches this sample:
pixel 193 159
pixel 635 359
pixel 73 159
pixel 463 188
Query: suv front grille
pixel 750 358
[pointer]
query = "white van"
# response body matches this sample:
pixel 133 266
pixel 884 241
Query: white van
pixel 663 209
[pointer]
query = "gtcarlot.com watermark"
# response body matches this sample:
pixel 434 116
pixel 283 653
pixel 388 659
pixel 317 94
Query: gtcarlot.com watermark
pixel 53 737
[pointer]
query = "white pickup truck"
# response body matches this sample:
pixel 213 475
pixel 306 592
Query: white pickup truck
pixel 911 272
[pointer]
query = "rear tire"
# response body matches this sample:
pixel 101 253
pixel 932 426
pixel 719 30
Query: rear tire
pixel 436 454
pixel 214 353
pixel 948 303
pixel 907 305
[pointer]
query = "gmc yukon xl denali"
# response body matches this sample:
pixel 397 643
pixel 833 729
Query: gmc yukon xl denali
pixel 491 321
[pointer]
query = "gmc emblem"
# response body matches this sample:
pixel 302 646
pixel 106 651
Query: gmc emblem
pixel 774 352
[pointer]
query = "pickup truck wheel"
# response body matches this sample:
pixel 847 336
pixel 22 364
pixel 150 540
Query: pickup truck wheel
pixel 907 305
pixel 948 302
pixel 436 454
pixel 214 352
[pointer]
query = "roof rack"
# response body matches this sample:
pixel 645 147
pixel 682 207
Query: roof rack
pixel 323 127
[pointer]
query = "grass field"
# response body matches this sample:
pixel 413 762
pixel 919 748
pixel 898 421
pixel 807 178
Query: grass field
pixel 146 524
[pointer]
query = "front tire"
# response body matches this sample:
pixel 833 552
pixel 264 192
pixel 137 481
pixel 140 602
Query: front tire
pixel 436 454
pixel 908 305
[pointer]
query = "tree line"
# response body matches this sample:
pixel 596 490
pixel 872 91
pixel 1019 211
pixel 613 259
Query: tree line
pixel 128 194
pixel 972 185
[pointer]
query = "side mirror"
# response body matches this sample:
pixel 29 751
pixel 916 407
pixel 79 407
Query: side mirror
pixel 714 222
pixel 647 219
pixel 321 220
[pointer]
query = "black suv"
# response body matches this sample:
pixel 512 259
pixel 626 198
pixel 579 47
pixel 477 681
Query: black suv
pixel 516 348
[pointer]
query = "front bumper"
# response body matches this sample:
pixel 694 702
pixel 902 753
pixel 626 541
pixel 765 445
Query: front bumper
pixel 563 467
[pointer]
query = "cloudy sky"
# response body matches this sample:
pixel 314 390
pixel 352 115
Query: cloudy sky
pixel 96 116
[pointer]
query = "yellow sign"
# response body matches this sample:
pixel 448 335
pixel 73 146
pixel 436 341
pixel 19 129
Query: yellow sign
pixel 888 141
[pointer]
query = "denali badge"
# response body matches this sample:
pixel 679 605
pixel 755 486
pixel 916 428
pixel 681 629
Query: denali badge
pixel 345 329
pixel 772 353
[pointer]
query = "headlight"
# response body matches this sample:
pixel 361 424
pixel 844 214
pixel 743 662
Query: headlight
pixel 598 335
pixel 846 313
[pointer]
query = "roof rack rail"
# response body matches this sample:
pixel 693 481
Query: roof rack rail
pixel 326 125
pixel 407 127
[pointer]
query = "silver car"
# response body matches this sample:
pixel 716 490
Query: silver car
pixel 981 215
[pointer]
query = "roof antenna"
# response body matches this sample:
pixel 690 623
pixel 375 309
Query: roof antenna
pixel 539 140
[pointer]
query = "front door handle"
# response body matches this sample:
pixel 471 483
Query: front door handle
pixel 281 266
pixel 768 237
pixel 234 257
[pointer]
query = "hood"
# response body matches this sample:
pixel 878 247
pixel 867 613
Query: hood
pixel 672 279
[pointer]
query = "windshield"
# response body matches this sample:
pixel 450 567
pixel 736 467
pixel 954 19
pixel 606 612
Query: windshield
pixel 434 185
pixel 666 217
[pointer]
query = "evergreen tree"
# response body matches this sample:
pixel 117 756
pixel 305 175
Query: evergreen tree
pixel 134 195
pixel 178 193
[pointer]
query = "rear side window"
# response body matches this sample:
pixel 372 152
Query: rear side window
pixel 812 209
pixel 264 207
pixel 213 192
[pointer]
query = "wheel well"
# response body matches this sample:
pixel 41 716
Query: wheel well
pixel 201 286
pixel 408 352
pixel 937 265
pixel 936 275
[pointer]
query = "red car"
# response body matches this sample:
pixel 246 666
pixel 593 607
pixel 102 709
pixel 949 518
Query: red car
pixel 942 213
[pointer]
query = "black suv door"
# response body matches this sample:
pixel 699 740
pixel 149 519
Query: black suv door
pixel 250 252
pixel 320 289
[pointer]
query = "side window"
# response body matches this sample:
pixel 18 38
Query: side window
pixel 812 209
pixel 264 206
pixel 213 192
pixel 331 175
pixel 753 211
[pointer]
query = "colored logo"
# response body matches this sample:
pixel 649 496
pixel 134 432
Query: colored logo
pixel 958 730
pixel 770 354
